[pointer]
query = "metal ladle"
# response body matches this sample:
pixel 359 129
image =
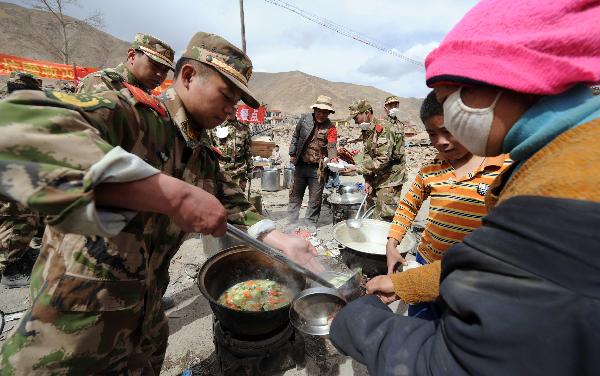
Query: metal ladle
pixel 355 222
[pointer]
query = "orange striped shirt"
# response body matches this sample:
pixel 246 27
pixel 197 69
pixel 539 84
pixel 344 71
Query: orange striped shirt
pixel 456 208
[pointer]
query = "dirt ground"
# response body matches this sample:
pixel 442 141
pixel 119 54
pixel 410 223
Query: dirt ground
pixel 190 321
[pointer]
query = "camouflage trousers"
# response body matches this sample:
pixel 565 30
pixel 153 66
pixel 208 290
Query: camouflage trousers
pixel 17 227
pixel 385 201
pixel 80 325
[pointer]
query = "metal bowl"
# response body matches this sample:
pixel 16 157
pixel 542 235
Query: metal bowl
pixel 314 309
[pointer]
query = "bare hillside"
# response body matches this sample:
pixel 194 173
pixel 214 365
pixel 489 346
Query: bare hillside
pixel 292 92
pixel 20 34
pixel 295 91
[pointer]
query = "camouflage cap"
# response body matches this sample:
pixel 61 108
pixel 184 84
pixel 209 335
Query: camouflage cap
pixel 226 58
pixel 358 107
pixel 23 81
pixel 154 48
pixel 391 99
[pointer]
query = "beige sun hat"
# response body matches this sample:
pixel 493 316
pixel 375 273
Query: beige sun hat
pixel 323 103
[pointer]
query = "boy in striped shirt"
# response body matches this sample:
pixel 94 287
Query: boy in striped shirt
pixel 456 181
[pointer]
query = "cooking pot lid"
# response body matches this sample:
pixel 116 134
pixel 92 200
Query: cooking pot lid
pixel 348 188
pixel 346 198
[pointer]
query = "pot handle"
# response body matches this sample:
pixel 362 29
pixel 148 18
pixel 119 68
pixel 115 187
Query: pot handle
pixel 274 254
pixel 368 212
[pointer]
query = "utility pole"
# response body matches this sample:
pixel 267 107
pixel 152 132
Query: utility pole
pixel 243 26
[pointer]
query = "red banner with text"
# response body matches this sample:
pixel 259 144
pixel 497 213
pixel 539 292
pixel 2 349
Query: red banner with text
pixel 42 69
pixel 57 71
pixel 247 114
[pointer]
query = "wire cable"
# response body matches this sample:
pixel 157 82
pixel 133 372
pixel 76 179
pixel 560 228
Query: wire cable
pixel 345 31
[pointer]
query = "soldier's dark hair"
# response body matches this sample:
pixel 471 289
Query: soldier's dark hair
pixel 202 69
pixel 431 107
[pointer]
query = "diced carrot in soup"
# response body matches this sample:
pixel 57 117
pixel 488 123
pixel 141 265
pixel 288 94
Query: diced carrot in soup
pixel 256 295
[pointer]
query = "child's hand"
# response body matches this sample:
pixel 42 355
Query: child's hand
pixel 393 256
pixel 383 287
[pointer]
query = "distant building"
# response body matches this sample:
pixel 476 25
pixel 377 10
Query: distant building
pixel 274 117
pixel 341 122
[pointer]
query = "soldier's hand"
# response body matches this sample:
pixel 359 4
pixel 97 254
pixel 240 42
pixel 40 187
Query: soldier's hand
pixel 368 188
pixel 293 160
pixel 297 249
pixel 393 256
pixel 199 211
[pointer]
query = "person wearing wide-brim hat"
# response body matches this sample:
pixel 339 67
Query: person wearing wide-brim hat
pixel 148 62
pixel 314 139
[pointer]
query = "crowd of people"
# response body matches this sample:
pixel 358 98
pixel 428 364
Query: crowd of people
pixel 507 274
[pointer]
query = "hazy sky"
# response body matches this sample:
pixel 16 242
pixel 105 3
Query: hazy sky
pixel 279 40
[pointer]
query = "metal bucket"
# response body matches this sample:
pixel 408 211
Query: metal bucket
pixel 269 180
pixel 288 177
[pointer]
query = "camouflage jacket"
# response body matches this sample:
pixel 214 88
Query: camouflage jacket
pixel 56 147
pixel 384 163
pixel 236 158
pixel 108 79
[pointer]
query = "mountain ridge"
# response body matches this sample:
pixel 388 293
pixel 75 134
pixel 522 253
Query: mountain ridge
pixel 291 92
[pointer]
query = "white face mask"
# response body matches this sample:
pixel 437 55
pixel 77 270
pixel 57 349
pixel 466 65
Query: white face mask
pixel 364 126
pixel 471 126
pixel 222 132
pixel 394 112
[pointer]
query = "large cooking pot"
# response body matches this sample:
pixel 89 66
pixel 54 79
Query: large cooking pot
pixel 239 264
pixel 213 244
pixel 345 206
pixel 269 180
pixel 365 247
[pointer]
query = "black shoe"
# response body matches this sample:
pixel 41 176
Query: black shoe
pixel 168 302
pixel 15 276
pixel 18 274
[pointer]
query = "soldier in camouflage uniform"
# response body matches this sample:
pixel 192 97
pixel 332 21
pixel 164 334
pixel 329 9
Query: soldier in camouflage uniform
pixel 232 138
pixel 20 229
pixel 148 62
pixel 106 170
pixel 384 163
